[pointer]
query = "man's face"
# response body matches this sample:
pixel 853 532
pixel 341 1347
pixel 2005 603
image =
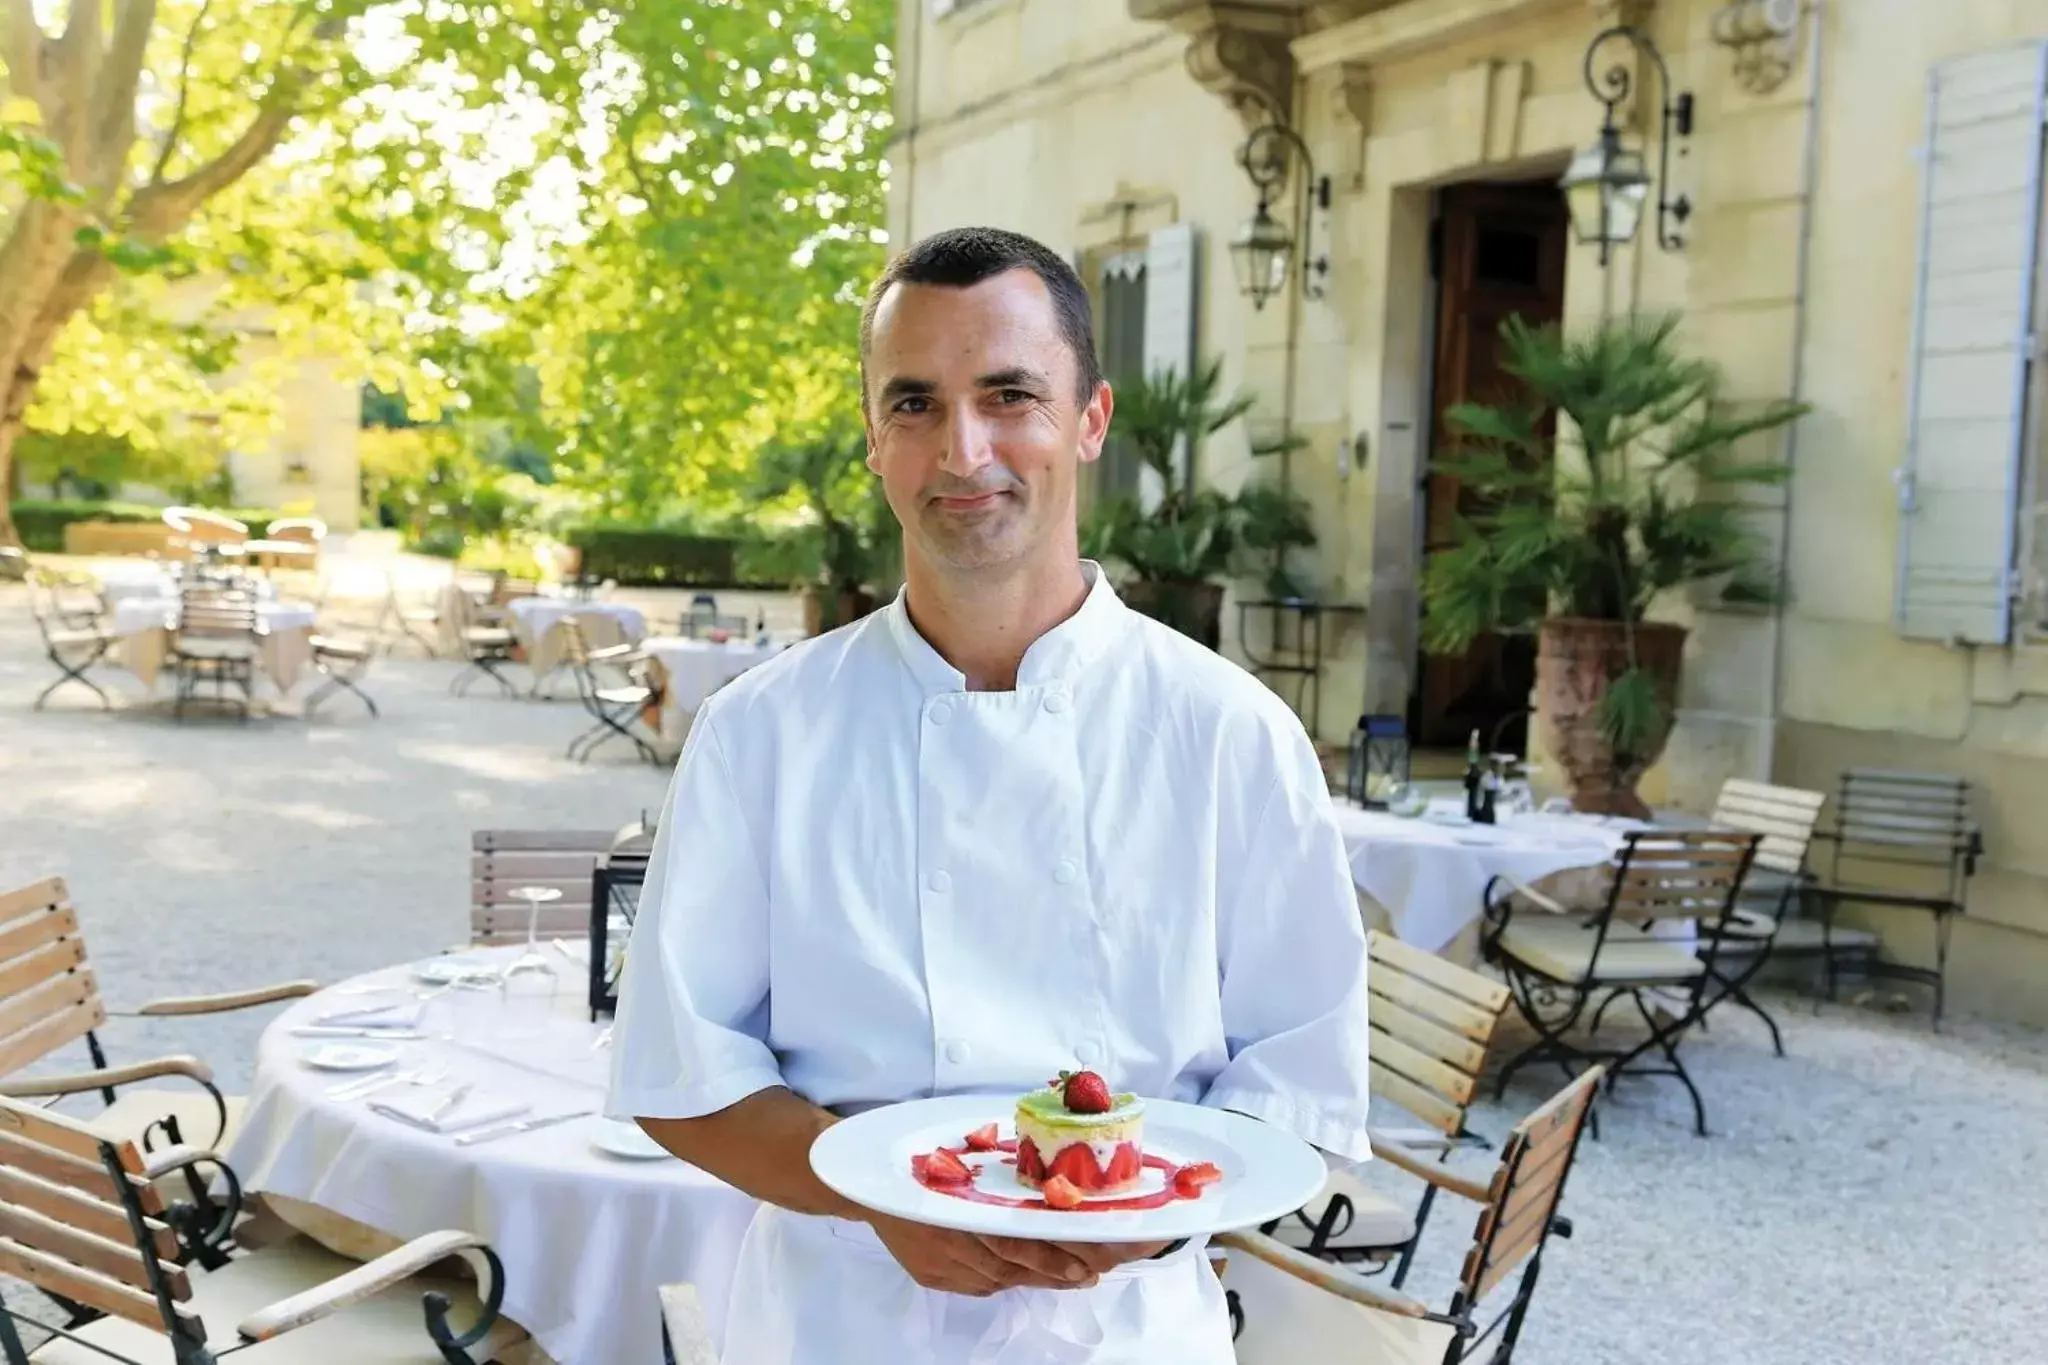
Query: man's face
pixel 973 423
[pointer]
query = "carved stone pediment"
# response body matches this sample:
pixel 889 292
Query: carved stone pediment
pixel 1238 50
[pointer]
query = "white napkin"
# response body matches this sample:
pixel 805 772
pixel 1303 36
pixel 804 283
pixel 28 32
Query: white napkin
pixel 404 1015
pixel 475 1111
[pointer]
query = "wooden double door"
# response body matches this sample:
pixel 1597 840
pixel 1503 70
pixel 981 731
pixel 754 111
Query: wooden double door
pixel 1499 252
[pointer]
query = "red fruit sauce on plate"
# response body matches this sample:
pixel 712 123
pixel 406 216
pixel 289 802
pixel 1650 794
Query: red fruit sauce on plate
pixel 1136 1203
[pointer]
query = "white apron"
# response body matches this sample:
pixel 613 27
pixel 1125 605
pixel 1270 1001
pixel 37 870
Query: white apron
pixel 822 1291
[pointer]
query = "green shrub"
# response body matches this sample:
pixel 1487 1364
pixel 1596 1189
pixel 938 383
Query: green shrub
pixel 649 556
pixel 41 522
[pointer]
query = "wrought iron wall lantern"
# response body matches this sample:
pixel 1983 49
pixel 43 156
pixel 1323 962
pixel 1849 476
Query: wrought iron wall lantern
pixel 1262 252
pixel 1609 182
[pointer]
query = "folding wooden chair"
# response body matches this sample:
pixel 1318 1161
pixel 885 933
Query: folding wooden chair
pixel 49 999
pixel 84 1223
pixel 1909 842
pixel 1762 926
pixel 485 648
pixel 1431 1023
pixel 215 642
pixel 72 635
pixel 1289 1308
pixel 616 708
pixel 1557 966
pixel 341 663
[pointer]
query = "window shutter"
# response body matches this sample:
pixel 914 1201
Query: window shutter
pixel 1171 279
pixel 1972 346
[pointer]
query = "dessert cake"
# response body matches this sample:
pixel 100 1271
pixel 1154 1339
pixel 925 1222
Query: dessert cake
pixel 1076 1128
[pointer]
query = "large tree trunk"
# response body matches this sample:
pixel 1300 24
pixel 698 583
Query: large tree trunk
pixel 86 87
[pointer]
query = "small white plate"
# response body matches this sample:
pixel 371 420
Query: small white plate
pixel 348 1056
pixel 627 1142
pixel 1267 1172
pixel 446 971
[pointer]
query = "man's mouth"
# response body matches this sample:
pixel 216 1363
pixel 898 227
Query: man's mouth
pixel 967 502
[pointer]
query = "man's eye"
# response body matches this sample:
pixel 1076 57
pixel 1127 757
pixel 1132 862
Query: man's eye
pixel 1016 396
pixel 915 404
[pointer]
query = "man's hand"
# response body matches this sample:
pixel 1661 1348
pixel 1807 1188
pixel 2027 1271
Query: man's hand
pixel 964 1263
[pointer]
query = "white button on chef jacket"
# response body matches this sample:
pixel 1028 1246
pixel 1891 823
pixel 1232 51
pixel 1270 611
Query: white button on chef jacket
pixel 872 885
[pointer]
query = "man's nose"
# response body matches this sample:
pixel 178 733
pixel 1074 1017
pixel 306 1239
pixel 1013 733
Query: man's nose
pixel 969 444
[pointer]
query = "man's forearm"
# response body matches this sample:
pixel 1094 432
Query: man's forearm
pixel 762 1146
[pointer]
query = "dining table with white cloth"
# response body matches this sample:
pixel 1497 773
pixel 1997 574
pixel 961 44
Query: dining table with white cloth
pixel 1428 873
pixel 536 625
pixel 142 629
pixel 692 670
pixel 134 578
pixel 587 1238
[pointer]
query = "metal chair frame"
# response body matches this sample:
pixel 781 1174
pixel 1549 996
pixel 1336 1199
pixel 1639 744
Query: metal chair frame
pixel 1657 875
pixel 206 612
pixel 48 608
pixel 1902 819
pixel 614 716
pixel 341 669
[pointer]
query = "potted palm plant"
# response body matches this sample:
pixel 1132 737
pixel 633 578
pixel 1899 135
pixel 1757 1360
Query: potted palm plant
pixel 851 521
pixel 1575 535
pixel 1180 548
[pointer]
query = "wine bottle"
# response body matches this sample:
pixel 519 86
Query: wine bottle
pixel 1472 778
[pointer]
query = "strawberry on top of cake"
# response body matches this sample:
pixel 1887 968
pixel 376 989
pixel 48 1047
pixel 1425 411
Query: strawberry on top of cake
pixel 1076 1128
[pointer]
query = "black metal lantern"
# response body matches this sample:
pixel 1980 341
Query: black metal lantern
pixel 615 886
pixel 1379 749
pixel 1262 252
pixel 1608 184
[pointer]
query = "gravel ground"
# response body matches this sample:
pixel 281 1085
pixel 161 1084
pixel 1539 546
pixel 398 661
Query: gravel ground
pixel 1875 1197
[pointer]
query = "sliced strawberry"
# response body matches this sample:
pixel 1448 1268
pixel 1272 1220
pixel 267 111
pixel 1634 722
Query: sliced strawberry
pixel 1123 1167
pixel 1030 1165
pixel 982 1139
pixel 1076 1161
pixel 918 1165
pixel 943 1168
pixel 1189 1180
pixel 1060 1193
pixel 1088 1093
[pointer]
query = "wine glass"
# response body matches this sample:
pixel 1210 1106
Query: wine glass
pixel 533 960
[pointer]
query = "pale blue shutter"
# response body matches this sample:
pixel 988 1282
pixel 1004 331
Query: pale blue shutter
pixel 1980 227
pixel 1172 277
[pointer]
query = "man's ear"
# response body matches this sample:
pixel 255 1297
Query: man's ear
pixel 1095 416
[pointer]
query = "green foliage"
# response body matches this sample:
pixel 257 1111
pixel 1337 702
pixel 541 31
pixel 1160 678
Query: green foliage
pixel 1194 534
pixel 653 555
pixel 41 521
pixel 1634 496
pixel 828 476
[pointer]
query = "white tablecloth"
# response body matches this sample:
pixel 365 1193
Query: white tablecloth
pixel 587 1239
pixel 1429 874
pixel 534 617
pixel 142 627
pixel 124 580
pixel 694 669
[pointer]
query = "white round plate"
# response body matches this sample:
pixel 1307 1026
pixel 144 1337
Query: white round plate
pixel 627 1142
pixel 348 1056
pixel 444 971
pixel 1267 1172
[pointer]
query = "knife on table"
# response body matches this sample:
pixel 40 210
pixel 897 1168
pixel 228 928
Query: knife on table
pixel 523 1126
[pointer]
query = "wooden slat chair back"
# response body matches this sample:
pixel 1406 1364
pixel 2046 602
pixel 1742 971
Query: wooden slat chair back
pixel 1784 816
pixel 1680 874
pixel 80 1220
pixel 1291 1308
pixel 502 859
pixel 216 613
pixel 48 996
pixel 1431 1023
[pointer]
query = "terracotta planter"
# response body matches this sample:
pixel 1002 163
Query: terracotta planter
pixel 1576 662
pixel 847 607
pixel 1193 609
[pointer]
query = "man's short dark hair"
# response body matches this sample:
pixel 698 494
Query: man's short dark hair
pixel 960 257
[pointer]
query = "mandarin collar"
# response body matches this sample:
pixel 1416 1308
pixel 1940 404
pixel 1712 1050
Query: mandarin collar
pixel 1054 657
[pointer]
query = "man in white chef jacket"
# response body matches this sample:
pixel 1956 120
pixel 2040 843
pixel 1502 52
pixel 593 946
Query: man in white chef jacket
pixel 1002 827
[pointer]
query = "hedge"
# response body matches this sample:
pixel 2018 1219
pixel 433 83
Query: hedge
pixel 41 522
pixel 667 556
